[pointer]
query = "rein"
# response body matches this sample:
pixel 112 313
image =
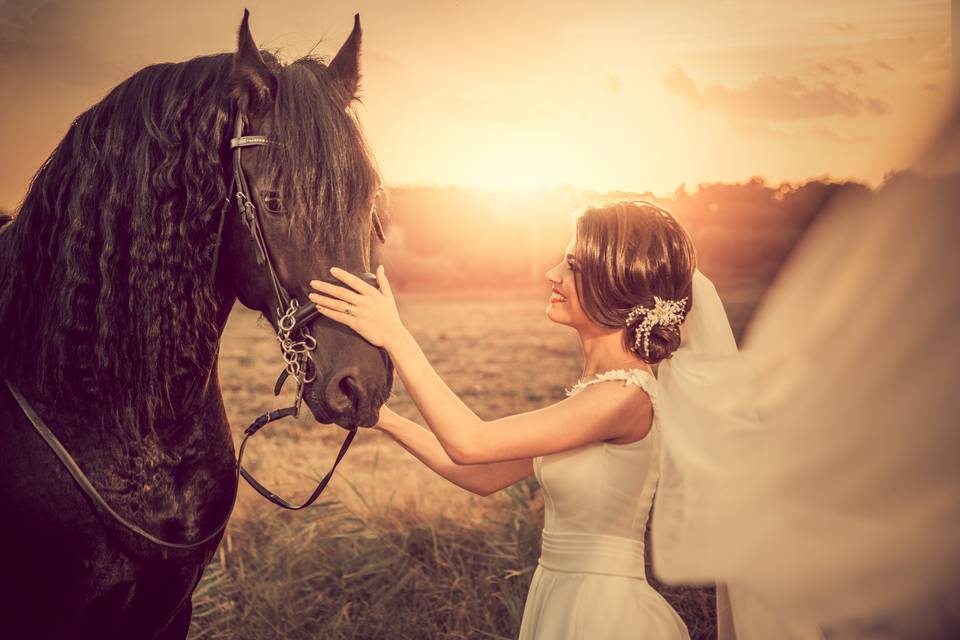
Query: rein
pixel 296 346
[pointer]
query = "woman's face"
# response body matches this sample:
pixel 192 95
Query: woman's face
pixel 564 306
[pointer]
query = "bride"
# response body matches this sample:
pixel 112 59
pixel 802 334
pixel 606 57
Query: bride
pixel 625 285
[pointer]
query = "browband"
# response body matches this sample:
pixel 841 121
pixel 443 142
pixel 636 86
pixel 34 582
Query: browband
pixel 249 141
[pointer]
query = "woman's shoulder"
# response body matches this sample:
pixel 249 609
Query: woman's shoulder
pixel 634 376
pixel 616 405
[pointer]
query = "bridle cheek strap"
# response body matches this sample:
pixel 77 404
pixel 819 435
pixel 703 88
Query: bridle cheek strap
pixel 296 344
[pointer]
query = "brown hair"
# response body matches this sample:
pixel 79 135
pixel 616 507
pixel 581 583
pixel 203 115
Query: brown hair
pixel 627 253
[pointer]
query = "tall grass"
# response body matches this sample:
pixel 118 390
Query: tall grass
pixel 327 572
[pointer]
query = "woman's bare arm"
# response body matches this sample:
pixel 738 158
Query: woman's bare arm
pixel 481 479
pixel 601 412
pixel 597 413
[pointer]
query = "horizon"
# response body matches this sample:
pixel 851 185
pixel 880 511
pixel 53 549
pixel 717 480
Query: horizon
pixel 690 190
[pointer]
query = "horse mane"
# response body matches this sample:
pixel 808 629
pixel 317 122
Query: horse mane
pixel 106 299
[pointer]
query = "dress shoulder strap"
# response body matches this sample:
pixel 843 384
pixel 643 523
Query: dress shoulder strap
pixel 639 377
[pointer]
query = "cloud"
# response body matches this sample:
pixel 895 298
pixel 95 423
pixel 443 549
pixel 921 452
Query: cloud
pixel 609 82
pixel 44 40
pixel 938 57
pixel 754 129
pixel 379 58
pixel 597 74
pixel 681 84
pixel 775 98
pixel 840 66
pixel 760 130
pixel 829 134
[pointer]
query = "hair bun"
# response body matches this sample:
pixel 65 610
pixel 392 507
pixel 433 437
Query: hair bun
pixel 654 331
pixel 663 341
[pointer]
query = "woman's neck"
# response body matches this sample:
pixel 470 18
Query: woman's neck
pixel 605 351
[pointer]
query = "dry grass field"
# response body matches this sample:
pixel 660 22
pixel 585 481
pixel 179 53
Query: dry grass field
pixel 393 551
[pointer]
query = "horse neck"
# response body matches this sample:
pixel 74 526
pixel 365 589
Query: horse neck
pixel 16 250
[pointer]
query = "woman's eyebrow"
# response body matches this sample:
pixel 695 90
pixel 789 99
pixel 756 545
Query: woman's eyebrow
pixel 570 256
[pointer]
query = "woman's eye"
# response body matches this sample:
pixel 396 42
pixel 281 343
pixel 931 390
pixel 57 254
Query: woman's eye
pixel 570 264
pixel 272 201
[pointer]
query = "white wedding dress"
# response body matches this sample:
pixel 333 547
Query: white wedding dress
pixel 590 581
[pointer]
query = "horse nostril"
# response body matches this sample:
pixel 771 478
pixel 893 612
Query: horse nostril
pixel 350 388
pixel 345 394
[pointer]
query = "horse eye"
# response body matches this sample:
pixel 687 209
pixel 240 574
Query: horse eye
pixel 271 200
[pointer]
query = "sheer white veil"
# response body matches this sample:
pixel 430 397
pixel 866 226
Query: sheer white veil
pixel 817 473
pixel 704 403
pixel 706 409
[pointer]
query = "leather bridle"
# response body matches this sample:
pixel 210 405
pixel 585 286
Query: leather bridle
pixel 296 344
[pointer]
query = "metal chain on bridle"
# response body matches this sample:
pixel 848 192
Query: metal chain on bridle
pixel 297 348
pixel 296 345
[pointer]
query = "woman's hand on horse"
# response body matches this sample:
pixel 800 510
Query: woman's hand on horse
pixel 370 312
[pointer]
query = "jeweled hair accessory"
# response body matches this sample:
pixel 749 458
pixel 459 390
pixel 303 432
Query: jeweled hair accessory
pixel 665 313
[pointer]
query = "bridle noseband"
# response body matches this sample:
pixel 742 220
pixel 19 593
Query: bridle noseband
pixel 296 345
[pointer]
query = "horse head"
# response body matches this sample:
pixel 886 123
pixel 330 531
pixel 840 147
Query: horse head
pixel 309 202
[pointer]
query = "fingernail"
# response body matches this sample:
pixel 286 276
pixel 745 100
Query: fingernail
pixel 334 269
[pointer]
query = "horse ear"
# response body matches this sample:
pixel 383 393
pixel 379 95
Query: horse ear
pixel 252 83
pixel 345 67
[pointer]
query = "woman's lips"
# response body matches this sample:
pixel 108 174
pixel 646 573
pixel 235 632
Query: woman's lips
pixel 556 296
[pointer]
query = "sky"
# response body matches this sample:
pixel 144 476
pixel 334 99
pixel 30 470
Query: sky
pixel 516 95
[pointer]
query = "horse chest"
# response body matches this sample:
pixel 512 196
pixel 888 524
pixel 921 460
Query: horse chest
pixel 69 554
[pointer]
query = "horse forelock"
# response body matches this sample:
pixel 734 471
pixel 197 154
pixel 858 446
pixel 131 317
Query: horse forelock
pixel 321 164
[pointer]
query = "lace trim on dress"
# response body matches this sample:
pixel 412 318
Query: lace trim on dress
pixel 639 377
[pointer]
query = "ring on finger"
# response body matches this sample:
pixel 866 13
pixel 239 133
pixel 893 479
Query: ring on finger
pixel 348 310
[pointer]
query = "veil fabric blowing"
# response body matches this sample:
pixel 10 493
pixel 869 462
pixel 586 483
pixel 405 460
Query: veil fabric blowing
pixel 816 473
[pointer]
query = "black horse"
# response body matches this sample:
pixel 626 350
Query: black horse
pixel 111 311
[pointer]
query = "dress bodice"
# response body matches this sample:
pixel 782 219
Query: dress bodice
pixel 590 581
pixel 603 488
